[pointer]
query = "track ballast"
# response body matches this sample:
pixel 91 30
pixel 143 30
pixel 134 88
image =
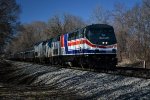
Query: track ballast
pixel 125 71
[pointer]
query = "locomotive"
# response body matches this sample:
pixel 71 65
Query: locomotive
pixel 92 46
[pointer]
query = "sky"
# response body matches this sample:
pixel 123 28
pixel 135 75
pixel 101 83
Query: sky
pixel 42 10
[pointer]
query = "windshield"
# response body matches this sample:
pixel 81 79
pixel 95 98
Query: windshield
pixel 101 36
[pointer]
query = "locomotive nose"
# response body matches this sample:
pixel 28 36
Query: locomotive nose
pixel 97 51
pixel 104 43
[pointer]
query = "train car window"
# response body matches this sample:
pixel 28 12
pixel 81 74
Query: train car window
pixel 84 30
pixel 54 40
pixel 69 36
pixel 58 38
pixel 81 33
pixel 72 36
pixel 76 34
pixel 50 44
pixel 36 54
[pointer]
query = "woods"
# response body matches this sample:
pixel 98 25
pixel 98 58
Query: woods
pixel 133 32
pixel 29 34
pixel 132 28
pixel 9 12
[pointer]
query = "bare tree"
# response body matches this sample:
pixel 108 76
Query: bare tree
pixel 147 3
pixel 38 30
pixel 61 24
pixel 55 26
pixel 9 12
pixel 100 15
pixel 120 26
pixel 133 32
pixel 72 22
pixel 29 34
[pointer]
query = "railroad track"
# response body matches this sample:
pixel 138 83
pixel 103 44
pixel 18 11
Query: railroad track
pixel 125 71
pixel 128 71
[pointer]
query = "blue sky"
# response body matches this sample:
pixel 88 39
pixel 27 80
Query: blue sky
pixel 42 10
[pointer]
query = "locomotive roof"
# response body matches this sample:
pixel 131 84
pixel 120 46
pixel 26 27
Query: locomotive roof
pixel 44 42
pixel 99 26
pixel 93 26
pixel 38 43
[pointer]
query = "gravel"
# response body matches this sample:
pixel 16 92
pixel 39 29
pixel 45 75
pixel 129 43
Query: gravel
pixel 82 84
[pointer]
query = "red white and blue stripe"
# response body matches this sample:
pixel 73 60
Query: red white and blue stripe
pixel 84 46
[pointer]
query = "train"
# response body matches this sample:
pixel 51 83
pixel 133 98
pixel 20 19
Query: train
pixel 93 46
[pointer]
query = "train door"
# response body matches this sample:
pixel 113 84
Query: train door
pixel 44 49
pixel 53 47
pixel 48 48
pixel 56 46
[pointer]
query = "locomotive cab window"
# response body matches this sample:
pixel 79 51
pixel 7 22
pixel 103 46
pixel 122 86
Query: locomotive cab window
pixel 100 35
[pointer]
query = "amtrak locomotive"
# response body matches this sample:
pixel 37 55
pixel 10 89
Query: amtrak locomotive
pixel 92 46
